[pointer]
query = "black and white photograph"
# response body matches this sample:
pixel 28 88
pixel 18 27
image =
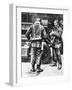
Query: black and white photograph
pixel 41 44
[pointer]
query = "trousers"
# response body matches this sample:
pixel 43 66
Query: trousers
pixel 57 55
pixel 35 56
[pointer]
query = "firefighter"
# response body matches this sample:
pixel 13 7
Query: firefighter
pixel 56 44
pixel 36 34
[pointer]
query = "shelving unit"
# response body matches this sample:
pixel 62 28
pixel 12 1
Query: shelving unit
pixel 24 42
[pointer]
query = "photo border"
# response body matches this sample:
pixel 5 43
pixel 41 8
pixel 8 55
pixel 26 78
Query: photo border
pixel 13 77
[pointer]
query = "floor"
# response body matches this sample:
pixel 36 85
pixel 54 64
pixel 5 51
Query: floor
pixel 48 71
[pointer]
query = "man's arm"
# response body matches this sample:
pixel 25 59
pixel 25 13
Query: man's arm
pixel 57 33
pixel 43 33
pixel 45 36
pixel 29 32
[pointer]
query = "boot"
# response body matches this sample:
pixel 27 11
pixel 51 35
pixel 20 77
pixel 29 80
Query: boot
pixel 59 63
pixel 33 68
pixel 59 66
pixel 39 69
pixel 54 64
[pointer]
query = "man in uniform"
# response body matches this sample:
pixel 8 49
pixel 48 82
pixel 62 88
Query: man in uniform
pixel 56 44
pixel 36 34
pixel 61 25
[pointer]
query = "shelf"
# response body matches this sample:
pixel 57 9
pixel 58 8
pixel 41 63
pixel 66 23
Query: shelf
pixel 26 23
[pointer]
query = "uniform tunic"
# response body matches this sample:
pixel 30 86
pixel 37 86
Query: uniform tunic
pixel 36 33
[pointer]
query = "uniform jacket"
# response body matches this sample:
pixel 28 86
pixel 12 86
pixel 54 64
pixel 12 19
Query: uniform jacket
pixel 36 33
pixel 56 33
